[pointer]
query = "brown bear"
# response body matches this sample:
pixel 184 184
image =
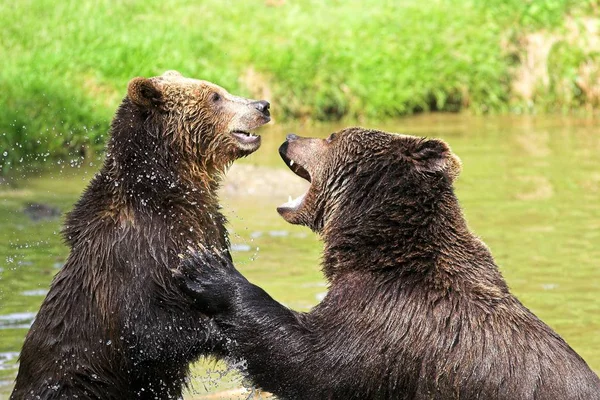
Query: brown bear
pixel 416 308
pixel 114 325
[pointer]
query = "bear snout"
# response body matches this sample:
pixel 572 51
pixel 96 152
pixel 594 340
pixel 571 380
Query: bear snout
pixel 290 137
pixel 263 106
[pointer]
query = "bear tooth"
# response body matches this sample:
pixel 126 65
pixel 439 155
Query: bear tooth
pixel 291 163
pixel 289 198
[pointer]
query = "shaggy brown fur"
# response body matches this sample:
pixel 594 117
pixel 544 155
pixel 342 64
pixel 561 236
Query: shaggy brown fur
pixel 416 307
pixel 113 325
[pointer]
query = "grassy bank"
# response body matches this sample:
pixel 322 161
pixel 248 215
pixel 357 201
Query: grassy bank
pixel 66 64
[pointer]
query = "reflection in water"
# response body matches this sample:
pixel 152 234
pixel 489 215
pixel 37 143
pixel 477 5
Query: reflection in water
pixel 530 188
pixel 35 292
pixel 7 361
pixel 278 233
pixel 240 247
pixel 21 320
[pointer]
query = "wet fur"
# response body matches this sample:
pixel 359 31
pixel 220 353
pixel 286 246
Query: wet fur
pixel 416 309
pixel 113 325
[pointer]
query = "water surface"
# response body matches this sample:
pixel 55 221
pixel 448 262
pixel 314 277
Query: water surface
pixel 530 188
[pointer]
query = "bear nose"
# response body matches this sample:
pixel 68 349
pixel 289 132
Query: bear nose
pixel 291 137
pixel 262 106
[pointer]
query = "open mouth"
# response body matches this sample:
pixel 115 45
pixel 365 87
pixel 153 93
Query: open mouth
pixel 298 169
pixel 246 138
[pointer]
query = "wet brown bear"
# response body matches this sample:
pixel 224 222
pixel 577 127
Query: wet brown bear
pixel 113 325
pixel 416 308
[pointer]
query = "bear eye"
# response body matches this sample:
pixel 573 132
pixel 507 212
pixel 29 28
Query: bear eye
pixel 215 97
pixel 330 138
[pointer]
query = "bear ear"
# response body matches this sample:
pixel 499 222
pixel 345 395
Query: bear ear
pixel 435 155
pixel 144 93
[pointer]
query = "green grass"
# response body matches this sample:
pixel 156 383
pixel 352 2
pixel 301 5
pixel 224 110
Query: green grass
pixel 66 64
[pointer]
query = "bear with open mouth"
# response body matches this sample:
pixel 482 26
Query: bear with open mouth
pixel 416 308
pixel 114 324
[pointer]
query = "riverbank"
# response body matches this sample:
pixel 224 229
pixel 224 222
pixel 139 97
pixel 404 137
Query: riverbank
pixel 66 65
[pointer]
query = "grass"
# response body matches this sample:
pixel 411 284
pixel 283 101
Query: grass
pixel 66 64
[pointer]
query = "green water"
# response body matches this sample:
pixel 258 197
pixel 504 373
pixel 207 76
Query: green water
pixel 530 188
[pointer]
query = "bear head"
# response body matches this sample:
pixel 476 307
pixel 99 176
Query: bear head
pixel 208 126
pixel 356 171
